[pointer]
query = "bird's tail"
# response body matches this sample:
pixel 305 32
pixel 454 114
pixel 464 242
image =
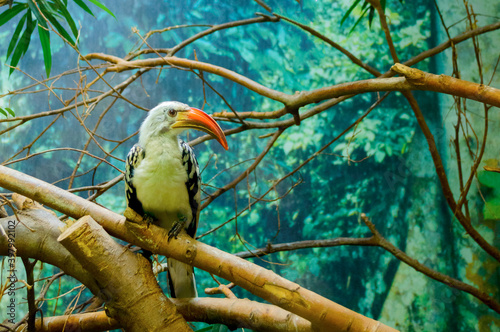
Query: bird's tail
pixel 181 279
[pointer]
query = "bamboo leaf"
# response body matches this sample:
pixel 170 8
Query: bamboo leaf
pixel 24 42
pixel 365 7
pixel 371 14
pixel 65 13
pixel 61 30
pixel 84 6
pixel 100 5
pixel 349 11
pixel 47 55
pixel 3 112
pixel 15 36
pixel 35 11
pixel 11 112
pixel 10 13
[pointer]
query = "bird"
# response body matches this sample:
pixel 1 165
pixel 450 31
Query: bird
pixel 162 179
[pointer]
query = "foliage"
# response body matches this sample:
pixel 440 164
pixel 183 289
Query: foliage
pixel 41 14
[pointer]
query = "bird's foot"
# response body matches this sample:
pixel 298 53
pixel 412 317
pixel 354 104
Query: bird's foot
pixel 148 219
pixel 178 226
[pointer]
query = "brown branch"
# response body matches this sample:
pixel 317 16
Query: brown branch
pixel 30 289
pixel 455 87
pixel 243 175
pixel 460 88
pixel 171 51
pixel 45 230
pixel 385 27
pixel 291 246
pixel 314 155
pixel 110 92
pixel 36 238
pixel 446 84
pixel 120 65
pixel 132 295
pixel 321 312
pixel 453 41
pixel 445 186
pixel 85 152
pixel 330 42
pixel 445 279
pixel 234 313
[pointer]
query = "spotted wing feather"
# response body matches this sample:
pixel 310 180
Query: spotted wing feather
pixel 134 158
pixel 193 185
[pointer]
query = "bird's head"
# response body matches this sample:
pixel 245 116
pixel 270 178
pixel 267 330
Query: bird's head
pixel 170 118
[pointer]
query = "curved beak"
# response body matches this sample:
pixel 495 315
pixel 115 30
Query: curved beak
pixel 199 120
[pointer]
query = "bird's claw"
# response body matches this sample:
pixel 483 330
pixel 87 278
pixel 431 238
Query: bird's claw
pixel 176 228
pixel 148 219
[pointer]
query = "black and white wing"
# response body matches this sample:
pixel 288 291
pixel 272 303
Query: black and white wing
pixel 134 157
pixel 193 185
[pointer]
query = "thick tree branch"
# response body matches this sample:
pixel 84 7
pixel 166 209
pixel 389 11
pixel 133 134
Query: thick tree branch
pixel 322 313
pixel 234 313
pixel 421 80
pixel 127 283
pixel 444 84
pixel 38 242
pixel 264 317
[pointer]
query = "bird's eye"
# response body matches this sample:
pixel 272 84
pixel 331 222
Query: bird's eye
pixel 172 112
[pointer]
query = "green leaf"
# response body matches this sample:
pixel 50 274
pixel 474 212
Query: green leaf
pixel 15 36
pixel 84 6
pixel 205 329
pixel 349 11
pixel 100 5
pixel 24 42
pixel 35 11
pixel 47 55
pixel 3 112
pixel 219 328
pixel 60 29
pixel 11 112
pixel 64 12
pixel 365 7
pixel 10 13
pixel 371 14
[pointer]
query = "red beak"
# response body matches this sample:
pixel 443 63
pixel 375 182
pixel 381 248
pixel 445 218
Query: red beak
pixel 199 120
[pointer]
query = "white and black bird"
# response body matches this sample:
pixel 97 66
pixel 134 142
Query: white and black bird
pixel 162 179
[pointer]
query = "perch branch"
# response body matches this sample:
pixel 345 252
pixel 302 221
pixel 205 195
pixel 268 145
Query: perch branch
pixel 321 312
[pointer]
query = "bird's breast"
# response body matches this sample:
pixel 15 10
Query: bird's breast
pixel 160 182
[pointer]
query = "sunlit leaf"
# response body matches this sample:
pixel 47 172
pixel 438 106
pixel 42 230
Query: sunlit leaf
pixel 100 5
pixel 47 55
